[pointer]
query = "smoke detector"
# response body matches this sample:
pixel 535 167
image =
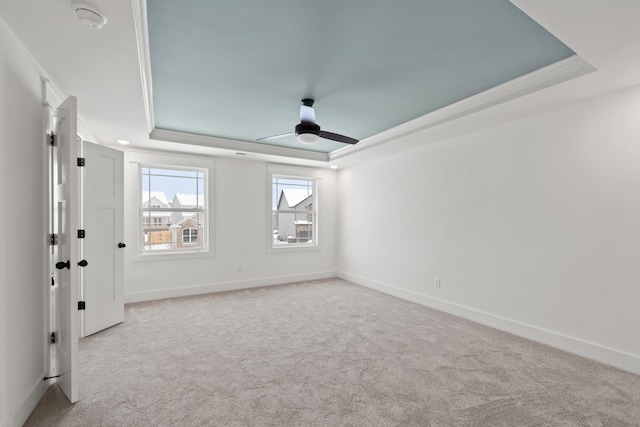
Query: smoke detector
pixel 89 15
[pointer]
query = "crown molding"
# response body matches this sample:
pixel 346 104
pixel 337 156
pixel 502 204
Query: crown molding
pixel 545 77
pixel 144 57
pixel 233 145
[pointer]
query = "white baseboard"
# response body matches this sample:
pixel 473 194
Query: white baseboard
pixel 626 361
pixel 224 286
pixel 28 403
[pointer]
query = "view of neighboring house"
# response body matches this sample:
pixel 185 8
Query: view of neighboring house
pixel 172 229
pixel 188 232
pixel 155 224
pixel 187 229
pixel 294 220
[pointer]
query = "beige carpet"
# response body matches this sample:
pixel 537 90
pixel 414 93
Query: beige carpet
pixel 328 353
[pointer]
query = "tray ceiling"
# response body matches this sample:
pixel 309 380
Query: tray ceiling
pixel 238 71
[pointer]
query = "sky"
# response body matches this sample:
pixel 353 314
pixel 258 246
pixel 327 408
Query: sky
pixel 280 184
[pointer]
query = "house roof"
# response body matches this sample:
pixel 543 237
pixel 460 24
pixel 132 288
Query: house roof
pixel 185 218
pixel 294 196
pixel 188 200
pixel 159 195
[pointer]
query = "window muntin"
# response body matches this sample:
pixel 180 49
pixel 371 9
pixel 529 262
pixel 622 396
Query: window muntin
pixel 293 214
pixel 173 200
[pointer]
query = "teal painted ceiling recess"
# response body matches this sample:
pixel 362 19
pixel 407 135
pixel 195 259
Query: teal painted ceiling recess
pixel 238 70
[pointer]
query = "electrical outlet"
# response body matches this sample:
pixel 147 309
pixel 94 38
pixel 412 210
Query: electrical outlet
pixel 436 282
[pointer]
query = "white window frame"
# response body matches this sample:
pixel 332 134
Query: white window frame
pixel 291 172
pixel 141 158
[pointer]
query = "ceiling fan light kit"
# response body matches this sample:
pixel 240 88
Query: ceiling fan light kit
pixel 89 15
pixel 307 138
pixel 308 131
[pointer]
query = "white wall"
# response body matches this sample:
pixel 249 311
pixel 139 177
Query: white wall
pixel 240 236
pixel 22 291
pixel 532 226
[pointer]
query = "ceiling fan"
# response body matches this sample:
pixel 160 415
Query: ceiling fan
pixel 308 132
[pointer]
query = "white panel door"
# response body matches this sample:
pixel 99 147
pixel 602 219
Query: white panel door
pixel 103 213
pixel 66 202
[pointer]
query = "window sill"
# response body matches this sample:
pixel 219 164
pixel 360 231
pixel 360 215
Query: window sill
pixel 170 256
pixel 294 248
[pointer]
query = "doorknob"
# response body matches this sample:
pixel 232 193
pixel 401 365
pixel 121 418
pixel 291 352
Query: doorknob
pixel 83 263
pixel 122 245
pixel 61 264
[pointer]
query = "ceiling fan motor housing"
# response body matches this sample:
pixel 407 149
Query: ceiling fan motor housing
pixel 307 127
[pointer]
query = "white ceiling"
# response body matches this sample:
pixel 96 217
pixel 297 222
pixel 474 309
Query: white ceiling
pixel 105 69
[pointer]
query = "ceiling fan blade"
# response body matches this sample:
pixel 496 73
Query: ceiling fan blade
pixel 282 135
pixel 337 137
pixel 307 114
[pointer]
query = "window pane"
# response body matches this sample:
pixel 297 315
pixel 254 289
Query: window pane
pixel 170 182
pixel 295 190
pixel 169 230
pixel 293 203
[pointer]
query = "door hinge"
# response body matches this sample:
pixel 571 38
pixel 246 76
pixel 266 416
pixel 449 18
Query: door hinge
pixel 81 305
pixel 81 234
pixel 53 239
pixel 53 338
pixel 52 139
pixel 81 161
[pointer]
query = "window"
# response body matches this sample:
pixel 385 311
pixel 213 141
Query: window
pixel 293 213
pixel 173 211
pixel 190 235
